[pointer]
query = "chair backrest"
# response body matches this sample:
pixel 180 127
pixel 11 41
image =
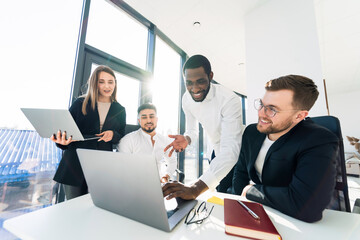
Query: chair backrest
pixel 130 128
pixel 340 200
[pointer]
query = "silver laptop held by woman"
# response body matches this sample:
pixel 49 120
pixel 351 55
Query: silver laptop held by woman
pixel 48 121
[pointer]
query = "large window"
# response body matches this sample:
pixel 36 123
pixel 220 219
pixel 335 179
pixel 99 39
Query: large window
pixel 38 48
pixel 165 87
pixel 37 67
pixel 128 90
pixel 113 31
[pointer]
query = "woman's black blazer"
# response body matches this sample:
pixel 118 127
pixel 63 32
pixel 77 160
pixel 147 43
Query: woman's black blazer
pixel 69 170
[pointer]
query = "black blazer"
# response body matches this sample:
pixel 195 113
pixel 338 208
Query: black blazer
pixel 298 176
pixel 69 171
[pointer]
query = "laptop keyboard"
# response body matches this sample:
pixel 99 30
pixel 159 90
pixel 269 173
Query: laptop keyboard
pixel 171 212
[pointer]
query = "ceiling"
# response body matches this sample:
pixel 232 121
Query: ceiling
pixel 221 36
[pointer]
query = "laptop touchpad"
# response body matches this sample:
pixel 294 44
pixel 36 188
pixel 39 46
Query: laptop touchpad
pixel 171 206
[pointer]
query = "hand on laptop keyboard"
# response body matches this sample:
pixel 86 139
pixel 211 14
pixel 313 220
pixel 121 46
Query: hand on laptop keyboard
pixel 177 189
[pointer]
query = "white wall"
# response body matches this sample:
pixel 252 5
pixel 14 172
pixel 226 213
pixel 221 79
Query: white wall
pixel 281 39
pixel 345 106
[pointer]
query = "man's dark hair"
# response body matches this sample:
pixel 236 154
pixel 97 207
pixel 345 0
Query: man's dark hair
pixel 146 106
pixel 197 61
pixel 305 90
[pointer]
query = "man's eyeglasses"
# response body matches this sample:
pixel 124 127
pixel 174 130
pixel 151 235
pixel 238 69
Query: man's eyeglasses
pixel 269 111
pixel 199 215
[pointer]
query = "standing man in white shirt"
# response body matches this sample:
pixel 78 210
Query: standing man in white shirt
pixel 220 114
pixel 146 140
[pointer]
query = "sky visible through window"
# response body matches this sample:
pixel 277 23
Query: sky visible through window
pixel 113 31
pixel 37 51
pixel 165 87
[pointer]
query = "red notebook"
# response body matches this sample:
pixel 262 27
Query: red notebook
pixel 239 222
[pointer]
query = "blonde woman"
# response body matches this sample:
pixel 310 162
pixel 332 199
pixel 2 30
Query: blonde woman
pixel 97 113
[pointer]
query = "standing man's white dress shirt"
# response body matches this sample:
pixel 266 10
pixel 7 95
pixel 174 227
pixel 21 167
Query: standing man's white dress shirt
pixel 220 115
pixel 140 142
pixel 219 112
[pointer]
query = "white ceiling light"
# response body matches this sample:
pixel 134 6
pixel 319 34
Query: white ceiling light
pixel 197 24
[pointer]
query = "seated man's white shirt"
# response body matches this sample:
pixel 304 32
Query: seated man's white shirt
pixel 259 162
pixel 140 142
pixel 220 114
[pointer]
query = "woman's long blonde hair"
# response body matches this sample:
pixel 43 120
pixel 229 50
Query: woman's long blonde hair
pixel 92 92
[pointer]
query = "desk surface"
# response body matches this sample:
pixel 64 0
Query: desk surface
pixel 80 219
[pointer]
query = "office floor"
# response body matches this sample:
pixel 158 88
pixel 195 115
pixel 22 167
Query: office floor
pixel 37 192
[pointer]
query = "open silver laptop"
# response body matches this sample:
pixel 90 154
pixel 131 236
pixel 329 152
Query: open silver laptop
pixel 48 121
pixel 129 185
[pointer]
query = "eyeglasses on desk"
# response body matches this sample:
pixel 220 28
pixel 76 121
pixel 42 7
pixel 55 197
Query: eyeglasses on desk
pixel 199 215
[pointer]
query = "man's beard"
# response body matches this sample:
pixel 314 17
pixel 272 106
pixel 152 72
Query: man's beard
pixel 271 129
pixel 149 130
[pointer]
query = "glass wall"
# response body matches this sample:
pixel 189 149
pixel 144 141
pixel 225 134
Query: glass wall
pixel 165 87
pixel 38 48
pixel 191 162
pixel 114 31
pixel 128 91
pixel 38 52
pixel 207 151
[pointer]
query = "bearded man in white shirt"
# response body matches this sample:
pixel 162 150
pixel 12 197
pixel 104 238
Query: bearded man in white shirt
pixel 220 114
pixel 146 140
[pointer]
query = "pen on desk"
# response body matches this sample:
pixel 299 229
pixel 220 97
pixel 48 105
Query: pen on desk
pixel 249 210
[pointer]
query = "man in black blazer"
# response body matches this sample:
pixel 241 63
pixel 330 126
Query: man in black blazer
pixel 289 159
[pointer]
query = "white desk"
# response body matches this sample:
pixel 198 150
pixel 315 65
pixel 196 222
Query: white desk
pixel 80 219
